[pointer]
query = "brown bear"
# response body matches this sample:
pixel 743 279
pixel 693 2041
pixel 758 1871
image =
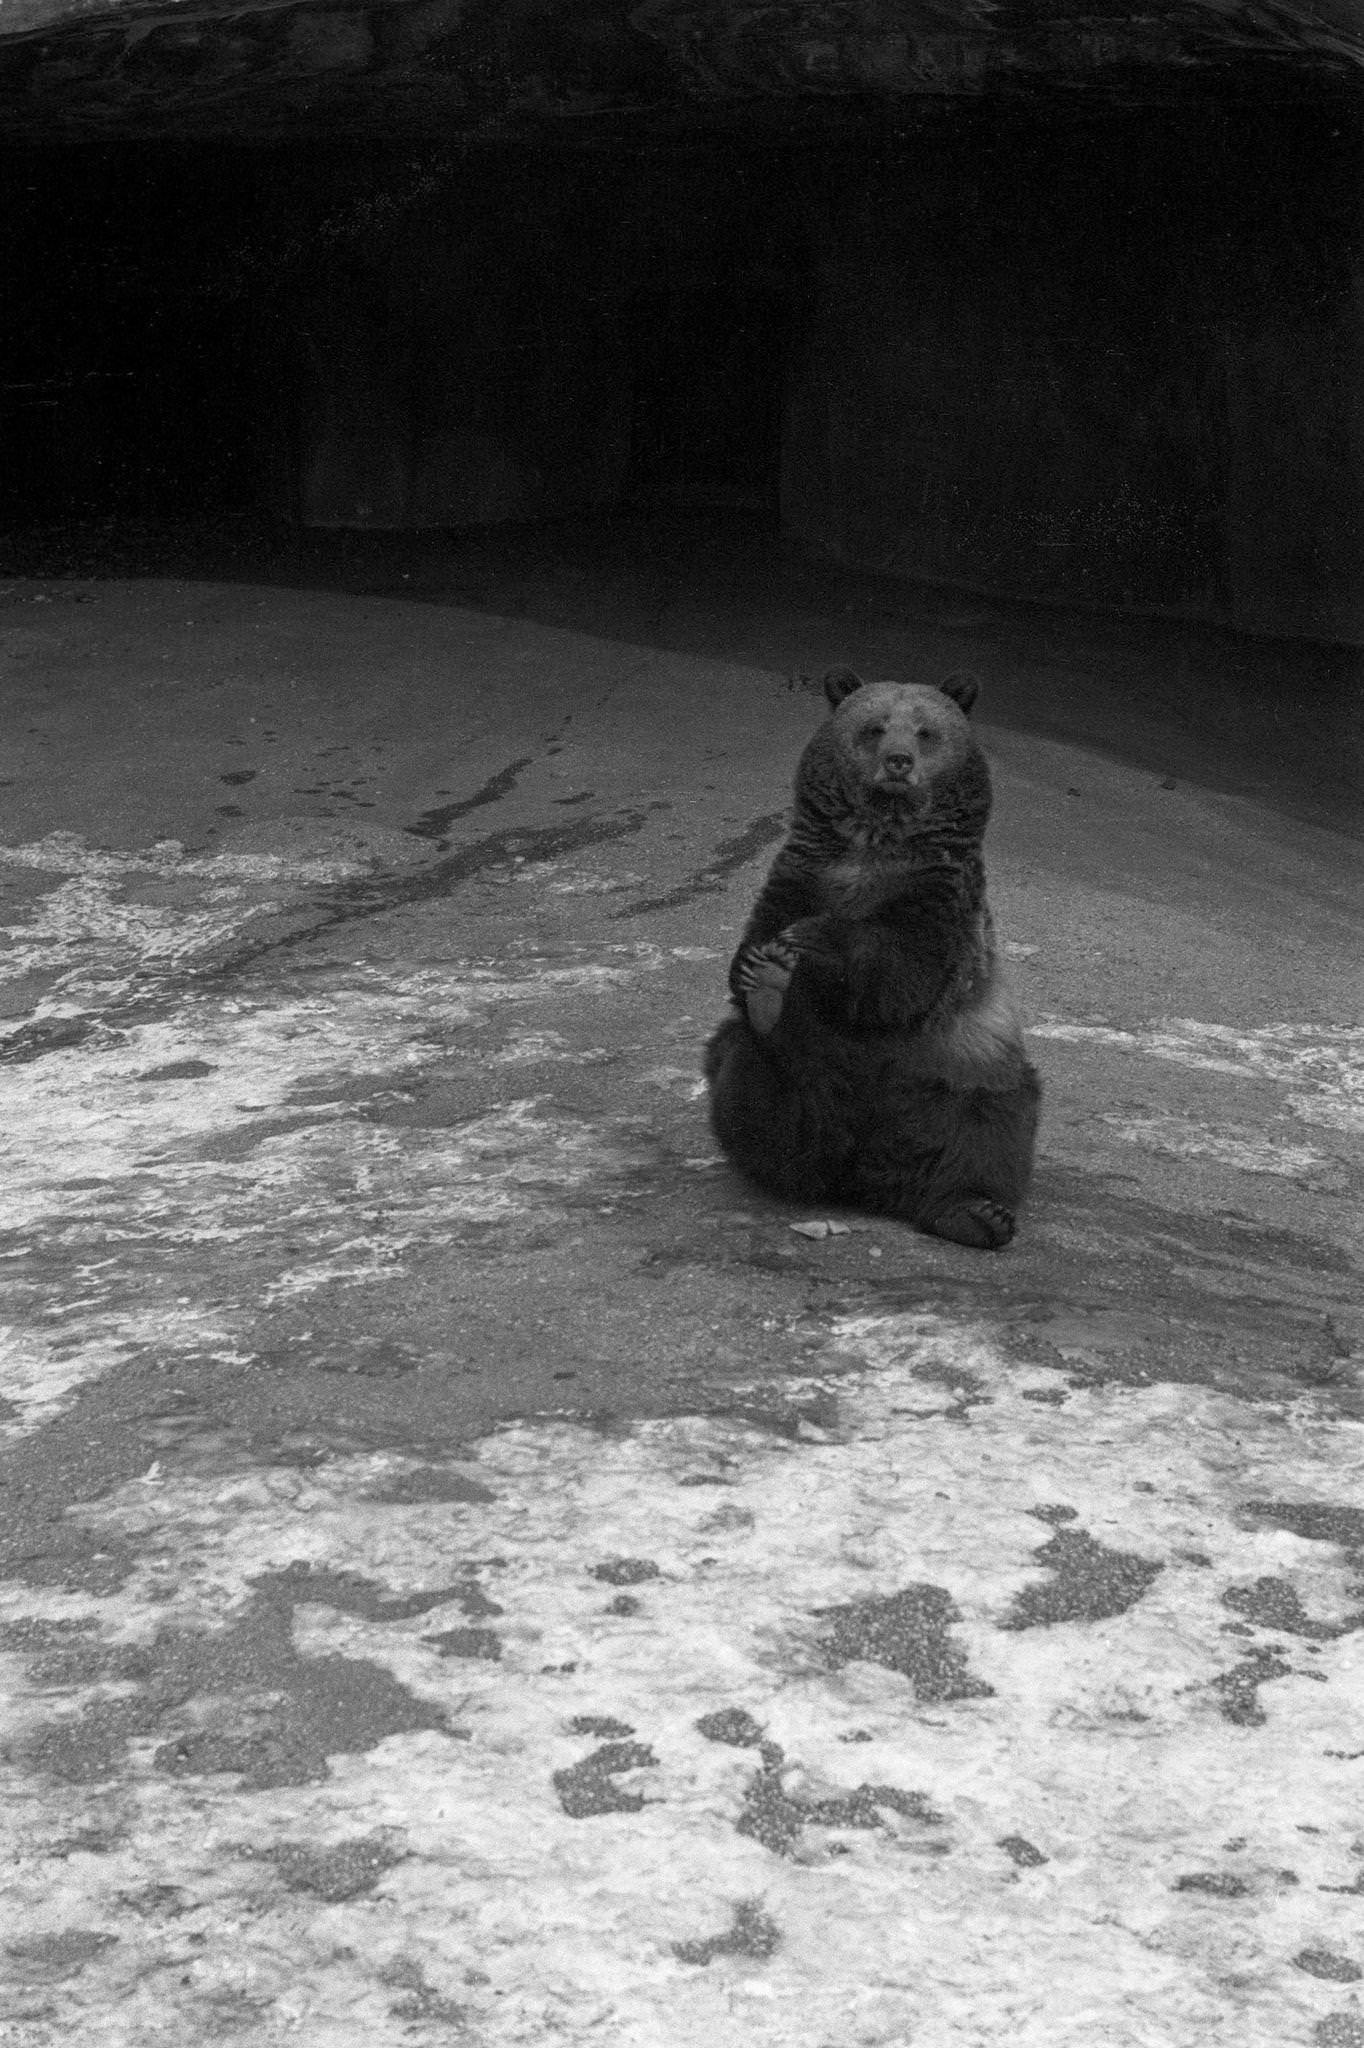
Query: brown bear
pixel 872 1057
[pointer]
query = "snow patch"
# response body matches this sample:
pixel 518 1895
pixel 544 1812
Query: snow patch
pixel 1248 1151
pixel 1324 1063
pixel 117 918
pixel 1166 1862
pixel 235 1123
pixel 67 853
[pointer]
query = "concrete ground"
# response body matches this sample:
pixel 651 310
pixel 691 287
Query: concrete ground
pixel 473 1570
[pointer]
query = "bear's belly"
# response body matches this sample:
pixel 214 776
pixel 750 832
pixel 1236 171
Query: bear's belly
pixel 980 1046
pixel 853 885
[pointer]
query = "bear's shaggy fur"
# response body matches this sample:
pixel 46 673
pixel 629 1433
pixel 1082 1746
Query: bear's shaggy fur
pixel 872 1057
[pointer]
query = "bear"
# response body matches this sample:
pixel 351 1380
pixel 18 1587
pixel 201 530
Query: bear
pixel 871 1056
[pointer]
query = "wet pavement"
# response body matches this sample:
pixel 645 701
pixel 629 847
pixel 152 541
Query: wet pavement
pixel 471 1569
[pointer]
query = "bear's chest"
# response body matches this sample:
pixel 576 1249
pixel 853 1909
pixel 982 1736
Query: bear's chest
pixel 880 834
pixel 871 862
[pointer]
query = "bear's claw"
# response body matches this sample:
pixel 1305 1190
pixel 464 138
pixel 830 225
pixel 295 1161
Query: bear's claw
pixel 974 1220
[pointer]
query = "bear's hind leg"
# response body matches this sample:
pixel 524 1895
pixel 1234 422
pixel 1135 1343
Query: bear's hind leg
pixel 983 1172
pixel 953 1162
pixel 772 1128
pixel 761 977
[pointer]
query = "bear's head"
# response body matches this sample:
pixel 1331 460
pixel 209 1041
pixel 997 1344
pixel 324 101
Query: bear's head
pixel 906 743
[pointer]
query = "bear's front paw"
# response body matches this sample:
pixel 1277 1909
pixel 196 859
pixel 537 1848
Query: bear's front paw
pixel 762 975
pixel 808 939
pixel 972 1220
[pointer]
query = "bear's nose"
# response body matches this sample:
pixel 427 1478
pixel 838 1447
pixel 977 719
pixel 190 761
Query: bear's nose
pixel 899 764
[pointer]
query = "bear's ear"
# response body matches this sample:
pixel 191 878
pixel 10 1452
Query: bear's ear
pixel 962 687
pixel 840 683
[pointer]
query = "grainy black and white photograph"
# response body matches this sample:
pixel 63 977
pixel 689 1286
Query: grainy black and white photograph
pixel 681 1024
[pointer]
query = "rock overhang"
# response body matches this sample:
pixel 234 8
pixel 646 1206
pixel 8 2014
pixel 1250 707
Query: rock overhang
pixel 593 70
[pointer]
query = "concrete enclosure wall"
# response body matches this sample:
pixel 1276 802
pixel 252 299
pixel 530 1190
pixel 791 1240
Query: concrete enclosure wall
pixel 1120 364
pixel 550 335
pixel 1114 362
pixel 1113 359
pixel 465 368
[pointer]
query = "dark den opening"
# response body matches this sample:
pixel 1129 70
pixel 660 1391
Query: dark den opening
pixel 1103 354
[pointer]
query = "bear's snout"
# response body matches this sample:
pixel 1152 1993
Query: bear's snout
pixel 896 768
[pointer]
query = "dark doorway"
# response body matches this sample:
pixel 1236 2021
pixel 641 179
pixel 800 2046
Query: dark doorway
pixel 1105 357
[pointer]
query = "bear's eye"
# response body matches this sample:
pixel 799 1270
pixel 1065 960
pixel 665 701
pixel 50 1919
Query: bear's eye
pixel 873 732
pixel 926 735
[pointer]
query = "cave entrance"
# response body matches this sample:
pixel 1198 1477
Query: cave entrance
pixel 392 340
pixel 1096 356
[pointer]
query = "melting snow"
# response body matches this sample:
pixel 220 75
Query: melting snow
pixel 1079 1847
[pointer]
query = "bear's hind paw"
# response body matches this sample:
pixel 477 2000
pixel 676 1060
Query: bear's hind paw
pixel 762 977
pixel 972 1220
